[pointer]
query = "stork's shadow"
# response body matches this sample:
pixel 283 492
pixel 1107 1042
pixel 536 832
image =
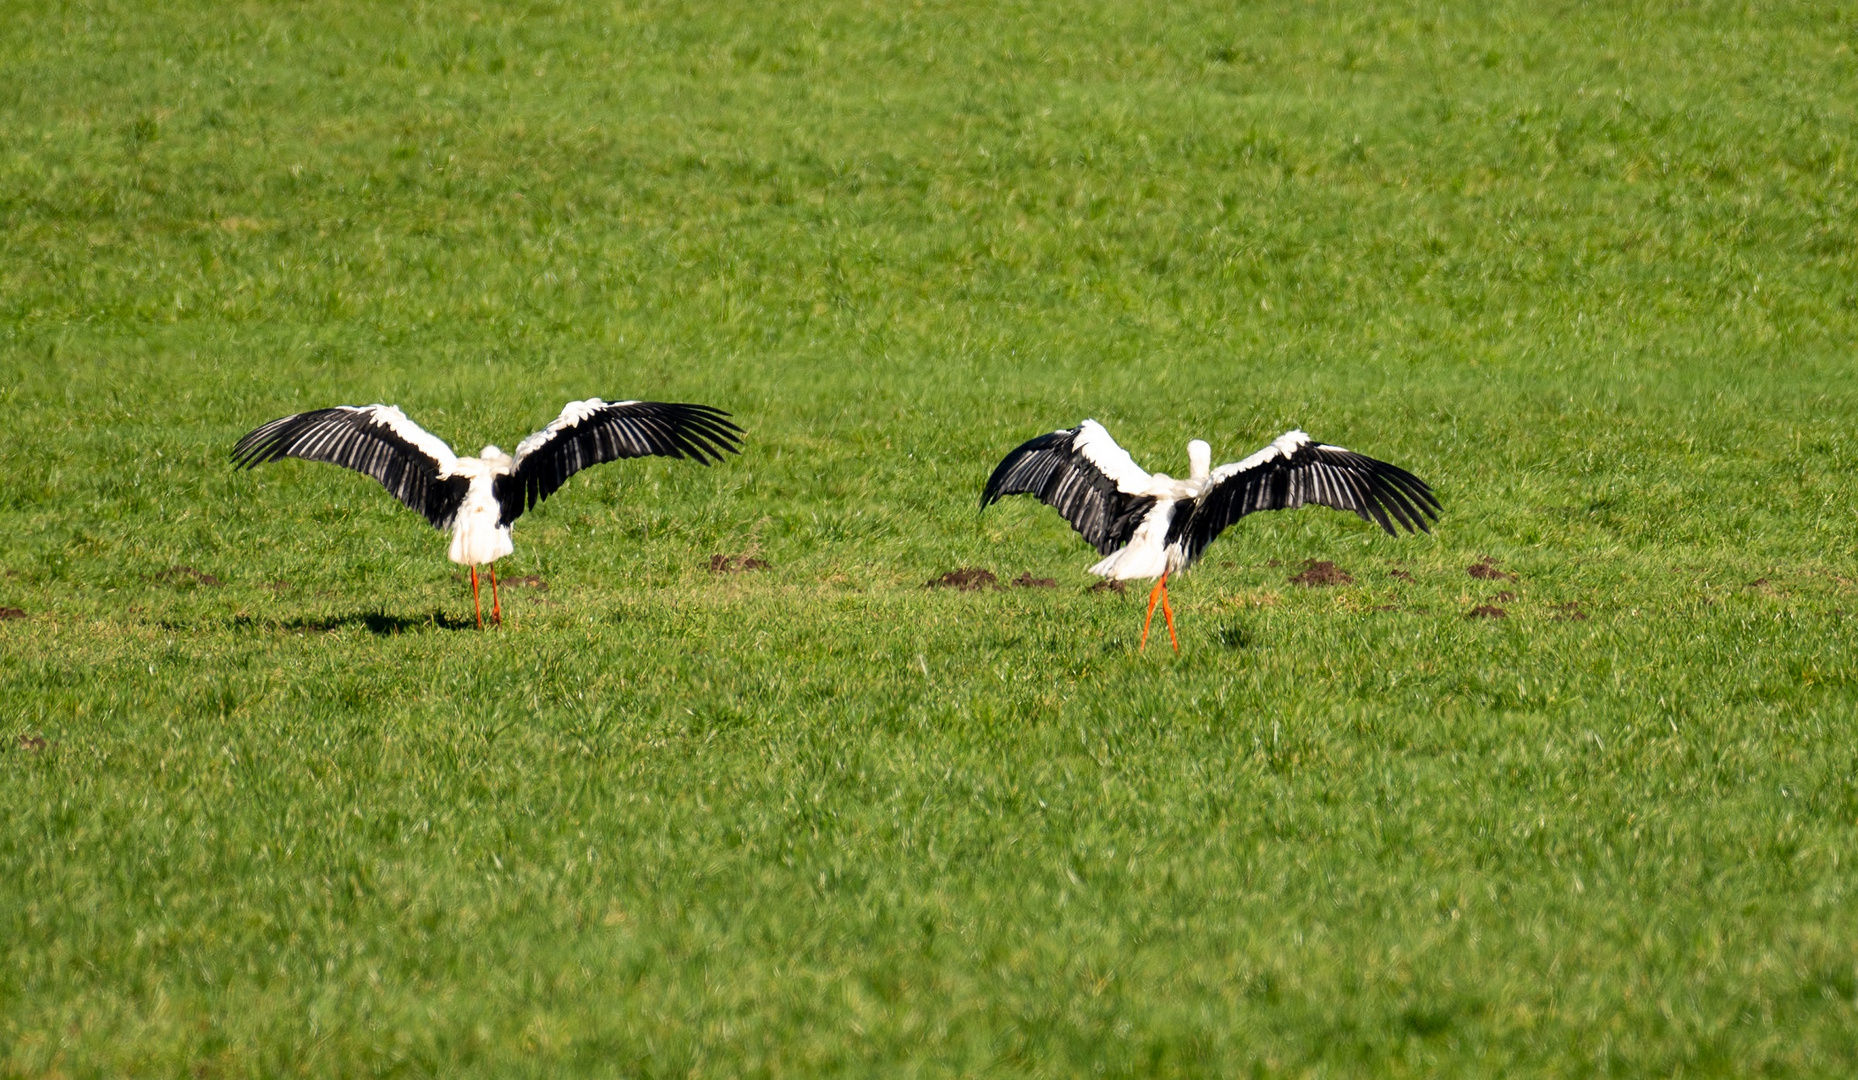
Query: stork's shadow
pixel 380 623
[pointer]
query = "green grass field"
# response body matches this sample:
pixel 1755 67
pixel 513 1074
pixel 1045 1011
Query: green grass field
pixel 1592 270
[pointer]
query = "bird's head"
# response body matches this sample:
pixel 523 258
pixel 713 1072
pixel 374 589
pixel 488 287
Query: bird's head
pixel 1199 459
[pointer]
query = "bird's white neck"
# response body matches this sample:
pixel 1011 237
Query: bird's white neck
pixel 1199 461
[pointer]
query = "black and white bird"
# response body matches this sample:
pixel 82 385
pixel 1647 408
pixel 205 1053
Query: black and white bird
pixel 476 498
pixel 1152 525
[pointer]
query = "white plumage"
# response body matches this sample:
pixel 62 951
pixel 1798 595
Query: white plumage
pixel 479 535
pixel 476 499
pixel 1152 525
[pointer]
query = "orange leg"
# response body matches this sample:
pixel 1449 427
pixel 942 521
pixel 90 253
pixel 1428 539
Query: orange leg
pixel 496 605
pixel 1168 613
pixel 475 602
pixel 1154 594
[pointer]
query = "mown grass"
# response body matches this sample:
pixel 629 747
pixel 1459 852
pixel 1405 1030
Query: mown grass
pixel 1587 268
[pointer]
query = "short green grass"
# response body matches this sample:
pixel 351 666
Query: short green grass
pixel 1590 269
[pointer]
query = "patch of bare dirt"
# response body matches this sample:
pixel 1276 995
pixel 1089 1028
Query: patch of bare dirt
pixel 1502 597
pixel 1570 610
pixel 967 579
pixel 178 575
pixel 1027 581
pixel 32 744
pixel 1486 611
pixel 1106 585
pixel 736 564
pixel 1486 569
pixel 1401 575
pixel 11 613
pixel 528 581
pixel 1318 572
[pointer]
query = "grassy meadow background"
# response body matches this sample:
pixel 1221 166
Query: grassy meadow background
pixel 1591 269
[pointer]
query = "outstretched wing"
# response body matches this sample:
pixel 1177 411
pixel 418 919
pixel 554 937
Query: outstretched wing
pixel 1295 470
pixel 593 431
pixel 1082 474
pixel 414 465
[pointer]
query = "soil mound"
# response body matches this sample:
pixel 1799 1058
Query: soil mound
pixel 1321 572
pixel 967 579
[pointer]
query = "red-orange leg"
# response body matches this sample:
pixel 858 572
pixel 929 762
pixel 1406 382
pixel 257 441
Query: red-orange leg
pixel 1154 594
pixel 1168 614
pixel 496 604
pixel 475 602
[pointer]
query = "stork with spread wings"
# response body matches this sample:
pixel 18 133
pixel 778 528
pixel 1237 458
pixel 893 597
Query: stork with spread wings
pixel 477 498
pixel 1150 525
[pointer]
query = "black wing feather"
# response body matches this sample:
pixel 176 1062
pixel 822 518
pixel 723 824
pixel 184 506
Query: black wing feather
pixel 1065 480
pixel 355 438
pixel 611 432
pixel 1377 492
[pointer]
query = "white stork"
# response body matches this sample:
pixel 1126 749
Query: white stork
pixel 477 498
pixel 1154 525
